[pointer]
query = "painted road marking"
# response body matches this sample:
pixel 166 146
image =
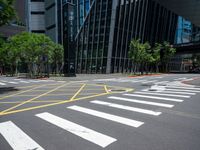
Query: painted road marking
pixel 17 139
pixel 181 90
pixel 172 95
pixel 145 111
pixel 141 102
pixel 122 120
pixel 182 87
pixel 27 101
pixel 170 92
pixel 83 132
pixel 24 81
pixel 34 81
pixel 135 81
pixel 162 82
pixel 154 97
pixel 149 81
pixel 2 83
pixel 187 93
pixel 13 82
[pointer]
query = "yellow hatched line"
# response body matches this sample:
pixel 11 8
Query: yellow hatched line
pixel 21 92
pixel 53 104
pixel 106 89
pixel 63 102
pixel 77 92
pixel 11 108
pixel 38 101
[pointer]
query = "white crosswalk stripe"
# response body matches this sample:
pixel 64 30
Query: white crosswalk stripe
pixel 17 139
pixel 154 97
pixel 83 132
pixel 24 81
pixel 13 82
pixel 172 92
pixel 141 101
pixel 182 87
pixel 145 111
pixel 122 120
pixel 2 83
pixel 149 81
pixel 162 82
pixel 182 90
pixel 161 94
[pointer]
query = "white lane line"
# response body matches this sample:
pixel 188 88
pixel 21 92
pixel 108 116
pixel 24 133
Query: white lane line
pixel 83 132
pixel 149 81
pixel 181 90
pixel 180 79
pixel 144 111
pixel 13 82
pixel 17 139
pixel 171 92
pixel 162 82
pixel 162 94
pixel 141 102
pixel 182 87
pixel 17 79
pixel 24 81
pixel 122 120
pixel 135 81
pixel 34 81
pixel 154 97
pixel 2 83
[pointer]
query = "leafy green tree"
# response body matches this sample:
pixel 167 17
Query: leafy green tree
pixel 134 53
pixel 57 57
pixel 167 51
pixel 36 50
pixel 156 55
pixel 7 12
pixel 140 54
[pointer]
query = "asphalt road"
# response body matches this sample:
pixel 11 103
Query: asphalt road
pixel 100 112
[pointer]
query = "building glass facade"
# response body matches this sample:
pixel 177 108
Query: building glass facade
pixel 104 36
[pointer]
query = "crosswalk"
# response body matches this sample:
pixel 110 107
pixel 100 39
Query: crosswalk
pixel 23 81
pixel 146 80
pixel 142 102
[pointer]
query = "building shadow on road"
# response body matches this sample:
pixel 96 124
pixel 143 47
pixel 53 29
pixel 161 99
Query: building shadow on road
pixel 4 90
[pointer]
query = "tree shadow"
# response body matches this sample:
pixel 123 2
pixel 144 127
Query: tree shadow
pixel 4 90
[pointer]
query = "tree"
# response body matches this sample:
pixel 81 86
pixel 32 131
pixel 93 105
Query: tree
pixel 140 54
pixel 57 57
pixel 134 53
pixel 167 51
pixel 36 50
pixel 156 55
pixel 7 12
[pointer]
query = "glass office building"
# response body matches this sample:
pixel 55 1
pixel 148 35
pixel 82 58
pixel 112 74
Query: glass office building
pixel 104 33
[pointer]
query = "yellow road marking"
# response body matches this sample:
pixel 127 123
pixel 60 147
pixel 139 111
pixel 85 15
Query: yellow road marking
pixel 66 101
pixel 78 92
pixel 21 92
pixel 105 87
pixel 53 104
pixel 38 101
pixel 32 99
